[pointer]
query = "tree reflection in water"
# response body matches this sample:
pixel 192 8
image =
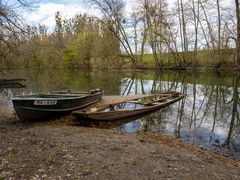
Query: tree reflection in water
pixel 208 115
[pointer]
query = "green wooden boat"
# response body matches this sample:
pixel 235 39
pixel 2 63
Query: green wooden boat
pixel 45 106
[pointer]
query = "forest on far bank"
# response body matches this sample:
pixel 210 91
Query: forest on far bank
pixel 186 34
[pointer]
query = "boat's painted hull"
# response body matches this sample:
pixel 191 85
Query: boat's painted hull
pixel 29 109
pixel 37 115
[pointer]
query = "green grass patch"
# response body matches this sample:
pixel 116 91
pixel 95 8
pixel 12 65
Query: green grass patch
pixel 204 59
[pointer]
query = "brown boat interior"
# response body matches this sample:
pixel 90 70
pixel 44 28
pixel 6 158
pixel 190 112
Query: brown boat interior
pixel 134 103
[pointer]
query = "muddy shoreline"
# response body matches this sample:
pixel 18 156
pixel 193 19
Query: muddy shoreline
pixel 61 150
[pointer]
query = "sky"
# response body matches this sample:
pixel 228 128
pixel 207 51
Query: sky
pixel 44 11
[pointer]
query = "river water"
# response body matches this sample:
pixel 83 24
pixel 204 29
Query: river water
pixel 208 117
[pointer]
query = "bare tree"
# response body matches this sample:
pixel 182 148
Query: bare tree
pixel 113 10
pixel 184 28
pixel 10 21
pixel 219 24
pixel 155 26
pixel 195 10
pixel 135 20
pixel 11 24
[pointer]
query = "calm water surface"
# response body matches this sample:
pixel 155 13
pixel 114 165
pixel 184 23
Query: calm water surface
pixel 208 117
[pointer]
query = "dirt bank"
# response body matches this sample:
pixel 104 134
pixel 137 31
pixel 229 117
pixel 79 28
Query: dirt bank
pixel 57 150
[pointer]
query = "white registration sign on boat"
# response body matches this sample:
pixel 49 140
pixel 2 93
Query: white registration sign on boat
pixel 45 102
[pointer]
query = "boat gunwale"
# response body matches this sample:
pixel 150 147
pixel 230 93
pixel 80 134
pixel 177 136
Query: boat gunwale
pixel 54 110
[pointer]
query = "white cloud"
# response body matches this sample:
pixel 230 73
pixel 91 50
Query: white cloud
pixel 130 5
pixel 45 13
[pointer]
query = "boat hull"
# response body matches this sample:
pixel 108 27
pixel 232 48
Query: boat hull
pixel 35 109
pixel 38 115
pixel 118 115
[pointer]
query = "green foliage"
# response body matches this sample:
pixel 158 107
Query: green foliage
pixel 78 52
pixel 89 47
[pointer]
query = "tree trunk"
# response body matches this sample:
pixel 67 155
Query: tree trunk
pixel 210 31
pixel 238 34
pixel 195 10
pixel 184 29
pixel 219 25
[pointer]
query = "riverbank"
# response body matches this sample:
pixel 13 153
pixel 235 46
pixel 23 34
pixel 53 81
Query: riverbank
pixel 61 149
pixel 202 60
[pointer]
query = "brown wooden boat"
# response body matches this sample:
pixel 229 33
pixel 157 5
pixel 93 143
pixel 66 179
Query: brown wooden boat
pixel 137 107
pixel 11 83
